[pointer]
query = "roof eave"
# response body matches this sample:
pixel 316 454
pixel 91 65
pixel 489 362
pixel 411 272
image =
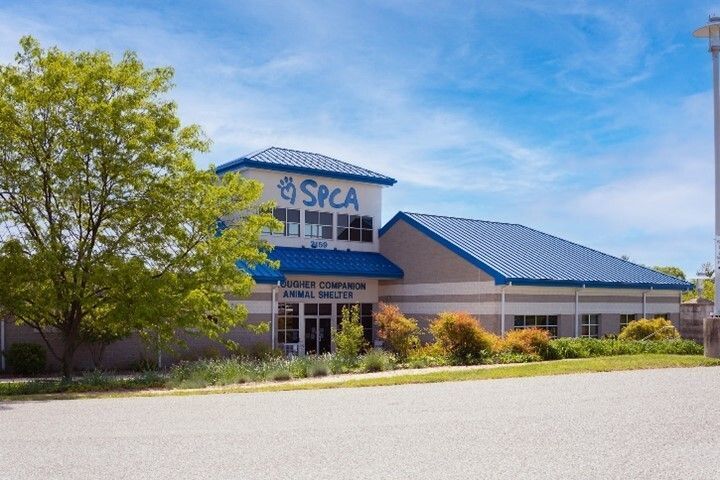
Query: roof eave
pixel 541 282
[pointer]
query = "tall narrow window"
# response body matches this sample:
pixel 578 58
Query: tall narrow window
pixel 318 224
pixel 591 326
pixel 288 323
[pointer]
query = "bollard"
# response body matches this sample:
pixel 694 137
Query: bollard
pixel 711 336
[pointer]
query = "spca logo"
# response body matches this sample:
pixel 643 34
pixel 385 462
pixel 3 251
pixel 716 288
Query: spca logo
pixel 317 194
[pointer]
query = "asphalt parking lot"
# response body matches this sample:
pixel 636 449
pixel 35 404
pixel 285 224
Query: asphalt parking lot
pixel 642 424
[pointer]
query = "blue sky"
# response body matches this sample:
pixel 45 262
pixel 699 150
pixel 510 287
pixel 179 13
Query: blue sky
pixel 588 120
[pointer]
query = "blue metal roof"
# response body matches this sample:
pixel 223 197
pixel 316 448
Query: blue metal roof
pixel 286 160
pixel 308 261
pixel 524 256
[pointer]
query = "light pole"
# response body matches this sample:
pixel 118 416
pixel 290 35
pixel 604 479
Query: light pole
pixel 711 325
pixel 711 31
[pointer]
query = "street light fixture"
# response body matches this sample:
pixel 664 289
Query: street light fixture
pixel 711 31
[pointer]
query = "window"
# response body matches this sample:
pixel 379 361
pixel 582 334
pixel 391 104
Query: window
pixel 318 225
pixel 355 228
pixel 288 323
pixel 290 217
pixel 591 326
pixel 366 318
pixel 626 318
pixel 546 322
pixel 665 316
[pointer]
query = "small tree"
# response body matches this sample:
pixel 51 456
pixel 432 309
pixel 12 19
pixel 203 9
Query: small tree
pixel 349 339
pixel 400 333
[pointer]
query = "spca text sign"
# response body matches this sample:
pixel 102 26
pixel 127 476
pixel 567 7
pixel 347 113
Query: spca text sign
pixel 313 194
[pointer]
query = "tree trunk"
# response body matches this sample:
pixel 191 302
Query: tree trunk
pixel 68 359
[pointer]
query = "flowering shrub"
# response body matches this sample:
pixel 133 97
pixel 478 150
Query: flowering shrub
pixel 399 333
pixel 529 341
pixel 656 329
pixel 460 335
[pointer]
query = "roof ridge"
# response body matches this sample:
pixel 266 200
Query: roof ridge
pixel 255 152
pixel 328 157
pixel 460 218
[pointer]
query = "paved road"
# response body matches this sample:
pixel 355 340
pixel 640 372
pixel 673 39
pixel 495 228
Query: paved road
pixel 650 424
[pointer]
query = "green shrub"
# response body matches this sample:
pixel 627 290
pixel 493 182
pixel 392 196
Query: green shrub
pixel 340 364
pixel 350 338
pixel 592 347
pixel 431 355
pixel 261 350
pixel 645 329
pixel 528 341
pixel 461 336
pixel 377 361
pixel 26 358
pixel 279 374
pixel 318 367
pixel 399 333
pixel 514 357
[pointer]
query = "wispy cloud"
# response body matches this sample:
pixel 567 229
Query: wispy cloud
pixel 588 119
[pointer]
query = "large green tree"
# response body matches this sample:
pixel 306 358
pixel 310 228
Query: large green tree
pixel 109 228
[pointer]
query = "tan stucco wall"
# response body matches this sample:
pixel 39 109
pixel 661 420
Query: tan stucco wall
pixel 423 259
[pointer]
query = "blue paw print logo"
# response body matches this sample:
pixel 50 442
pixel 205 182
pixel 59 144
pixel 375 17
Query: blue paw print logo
pixel 287 189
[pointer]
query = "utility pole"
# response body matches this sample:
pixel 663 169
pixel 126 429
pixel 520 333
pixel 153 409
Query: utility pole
pixel 711 326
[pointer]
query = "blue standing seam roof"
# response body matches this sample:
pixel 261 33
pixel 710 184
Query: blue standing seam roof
pixel 287 160
pixel 308 261
pixel 516 254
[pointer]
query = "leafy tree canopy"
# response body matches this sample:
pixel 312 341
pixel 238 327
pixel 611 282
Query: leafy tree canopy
pixel 672 271
pixel 108 226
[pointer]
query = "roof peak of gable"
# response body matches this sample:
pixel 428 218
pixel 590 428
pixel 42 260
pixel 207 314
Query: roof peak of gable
pixel 300 161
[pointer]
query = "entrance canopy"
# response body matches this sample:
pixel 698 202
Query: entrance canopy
pixel 307 261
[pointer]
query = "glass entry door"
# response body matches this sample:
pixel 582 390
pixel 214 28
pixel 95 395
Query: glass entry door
pixel 318 318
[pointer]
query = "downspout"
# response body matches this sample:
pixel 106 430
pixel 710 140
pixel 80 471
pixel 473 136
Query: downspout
pixel 644 312
pixel 273 311
pixel 2 344
pixel 502 308
pixel 577 311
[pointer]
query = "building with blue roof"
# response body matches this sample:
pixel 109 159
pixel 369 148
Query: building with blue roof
pixel 512 276
pixel 325 256
pixel 331 252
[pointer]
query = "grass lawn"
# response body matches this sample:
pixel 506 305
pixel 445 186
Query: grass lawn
pixel 155 386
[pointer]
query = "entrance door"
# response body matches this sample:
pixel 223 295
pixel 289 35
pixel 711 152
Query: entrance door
pixel 317 328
